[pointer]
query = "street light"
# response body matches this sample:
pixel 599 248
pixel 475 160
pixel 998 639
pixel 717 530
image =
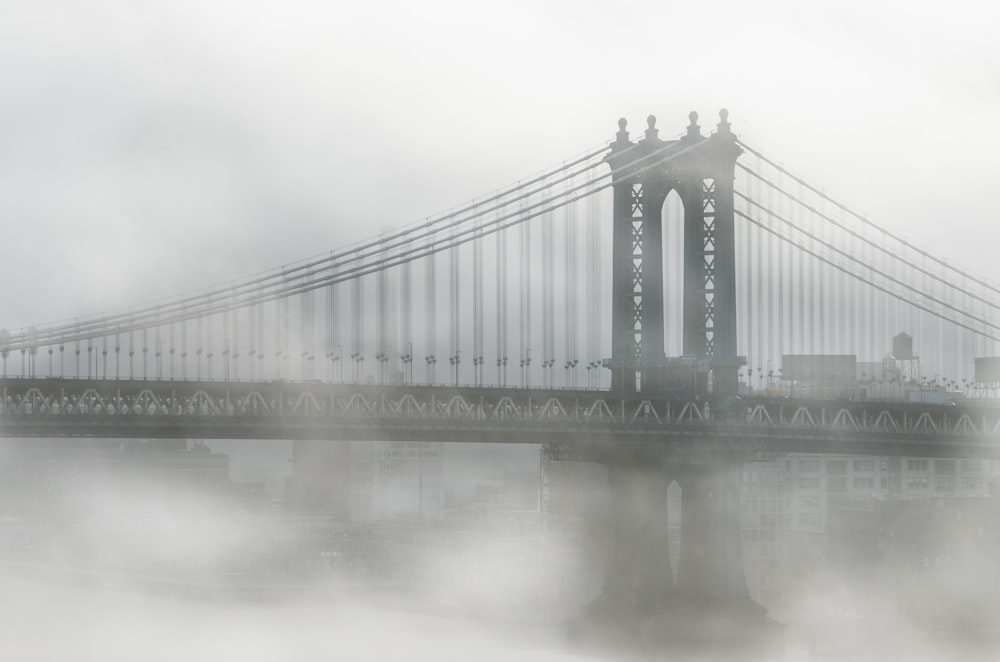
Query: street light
pixel 455 361
pixel 336 359
pixel 408 363
pixel 159 358
pixel 430 359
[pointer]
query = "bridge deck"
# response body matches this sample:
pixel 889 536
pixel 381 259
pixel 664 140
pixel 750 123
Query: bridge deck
pixel 581 418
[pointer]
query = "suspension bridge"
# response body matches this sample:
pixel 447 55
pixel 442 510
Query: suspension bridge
pixel 647 288
pixel 670 307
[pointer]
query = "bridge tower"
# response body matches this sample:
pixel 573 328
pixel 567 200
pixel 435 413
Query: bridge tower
pixel 641 603
pixel 702 170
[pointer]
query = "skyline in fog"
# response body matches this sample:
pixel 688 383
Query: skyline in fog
pixel 151 149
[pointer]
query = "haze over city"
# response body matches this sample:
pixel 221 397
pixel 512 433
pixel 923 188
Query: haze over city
pixel 746 379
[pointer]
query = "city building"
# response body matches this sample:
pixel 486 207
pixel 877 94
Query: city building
pixel 364 481
pixel 787 501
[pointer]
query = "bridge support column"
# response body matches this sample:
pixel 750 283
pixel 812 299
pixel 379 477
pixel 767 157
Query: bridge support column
pixel 708 609
pixel 638 571
pixel 710 566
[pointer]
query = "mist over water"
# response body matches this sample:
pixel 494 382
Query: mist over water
pixel 132 568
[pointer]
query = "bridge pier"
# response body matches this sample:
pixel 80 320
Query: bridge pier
pixel 707 609
pixel 711 557
pixel 638 571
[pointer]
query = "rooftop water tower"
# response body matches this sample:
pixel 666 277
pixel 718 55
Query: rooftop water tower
pixel 907 362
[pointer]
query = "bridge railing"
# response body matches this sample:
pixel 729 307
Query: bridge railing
pixel 61 404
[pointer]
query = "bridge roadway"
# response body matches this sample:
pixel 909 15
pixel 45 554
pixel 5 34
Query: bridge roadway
pixel 583 421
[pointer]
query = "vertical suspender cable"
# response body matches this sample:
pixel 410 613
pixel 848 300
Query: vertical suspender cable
pixel 157 352
pixel 809 276
pixel 430 298
pixel 477 309
pixel 770 288
pixel 173 347
pixel 748 273
pixel 547 299
pixel 823 293
pixel 236 343
pixel 276 310
pixel 406 304
pixel 306 332
pixel 131 351
pixel 500 238
pixel 453 285
pixel 356 323
pixel 760 288
pixel 570 288
pixel 226 349
pixel 286 338
pixel 524 301
pixel 588 267
pixel 381 321
pixel 209 340
pixel 252 322
pixel 330 331
pixel 184 351
pixel 848 303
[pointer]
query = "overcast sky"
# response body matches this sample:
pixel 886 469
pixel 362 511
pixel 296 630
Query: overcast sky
pixel 148 148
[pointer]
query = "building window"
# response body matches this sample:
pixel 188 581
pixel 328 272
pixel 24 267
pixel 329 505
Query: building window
pixel 972 465
pixel 861 483
pixel 916 465
pixel 809 519
pixel 945 483
pixel 972 482
pixel 916 482
pixel 809 466
pixel 836 467
pixel 808 483
pixel 809 501
pixel 944 467
pixel 836 485
pixel 864 465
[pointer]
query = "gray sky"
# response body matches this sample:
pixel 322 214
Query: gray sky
pixel 147 148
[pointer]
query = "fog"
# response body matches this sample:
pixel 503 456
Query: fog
pixel 149 148
pixel 120 569
pixel 186 144
pixel 118 561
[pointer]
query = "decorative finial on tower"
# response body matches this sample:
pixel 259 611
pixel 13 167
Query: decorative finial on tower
pixel 622 134
pixel 693 128
pixel 723 124
pixel 651 131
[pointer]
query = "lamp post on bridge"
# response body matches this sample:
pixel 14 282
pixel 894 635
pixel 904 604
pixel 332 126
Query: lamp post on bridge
pixel 382 358
pixel 358 359
pixel 430 360
pixel 455 361
pixel 525 367
pixel 407 360
pixel 159 358
pixel 337 359
pixel 502 371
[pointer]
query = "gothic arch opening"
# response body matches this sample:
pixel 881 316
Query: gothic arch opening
pixel 672 219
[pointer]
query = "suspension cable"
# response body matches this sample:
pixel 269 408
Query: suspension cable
pixel 862 278
pixel 880 272
pixel 940 261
